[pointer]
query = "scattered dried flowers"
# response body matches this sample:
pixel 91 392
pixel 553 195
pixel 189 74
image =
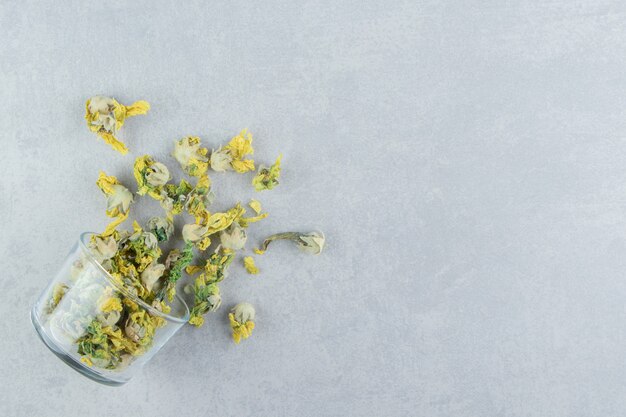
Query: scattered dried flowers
pixel 121 329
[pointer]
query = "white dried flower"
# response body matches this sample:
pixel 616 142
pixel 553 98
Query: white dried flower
pixel 151 275
pixel 110 318
pixel 194 232
pixel 243 312
pixel 104 248
pixel 166 202
pixel 161 227
pixel 120 199
pixel 234 237
pixel 188 148
pixel 220 160
pixel 101 104
pixel 158 175
pixel 104 106
pixel 134 330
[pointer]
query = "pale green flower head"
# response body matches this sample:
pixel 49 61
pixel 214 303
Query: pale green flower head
pixel 148 238
pixel 161 227
pixel 311 242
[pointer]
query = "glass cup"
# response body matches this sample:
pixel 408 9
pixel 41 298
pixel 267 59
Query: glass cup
pixel 96 325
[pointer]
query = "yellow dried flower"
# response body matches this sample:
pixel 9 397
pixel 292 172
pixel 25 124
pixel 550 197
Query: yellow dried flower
pixel 151 176
pixel 105 116
pixel 267 178
pixel 248 263
pixel 191 157
pixel 231 156
pixel 241 321
pixel 119 199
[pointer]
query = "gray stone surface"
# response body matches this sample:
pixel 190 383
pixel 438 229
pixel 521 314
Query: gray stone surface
pixel 467 161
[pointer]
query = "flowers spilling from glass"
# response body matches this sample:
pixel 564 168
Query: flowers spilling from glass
pixel 119 330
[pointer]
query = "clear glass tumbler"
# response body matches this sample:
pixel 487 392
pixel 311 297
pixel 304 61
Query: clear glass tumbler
pixel 97 326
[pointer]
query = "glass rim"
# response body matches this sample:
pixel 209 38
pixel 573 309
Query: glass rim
pixel 127 293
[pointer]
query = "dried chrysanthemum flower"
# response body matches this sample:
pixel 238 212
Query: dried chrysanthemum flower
pixel 194 233
pixel 158 175
pixel 248 263
pixel 312 242
pixel 151 176
pixel 139 251
pixel 217 222
pixel 151 275
pixel 242 321
pixel 208 224
pixel 175 197
pixel 119 199
pixel 103 248
pixel 207 299
pixel 199 198
pixel 134 330
pixel 267 178
pixel 110 318
pixel 234 237
pixel 220 160
pixel 191 156
pixel 105 116
pixel 231 156
pixel 146 239
pixel 161 227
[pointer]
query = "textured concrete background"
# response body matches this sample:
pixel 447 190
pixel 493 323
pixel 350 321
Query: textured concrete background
pixel 467 161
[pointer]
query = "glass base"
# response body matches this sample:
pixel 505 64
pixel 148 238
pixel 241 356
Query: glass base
pixel 69 360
